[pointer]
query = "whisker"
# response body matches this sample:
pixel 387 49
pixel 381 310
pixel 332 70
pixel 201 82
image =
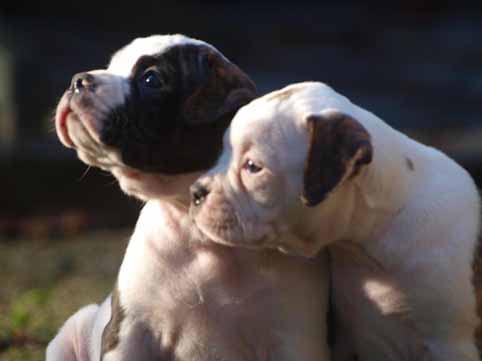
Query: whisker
pixel 113 182
pixel 51 128
pixel 85 173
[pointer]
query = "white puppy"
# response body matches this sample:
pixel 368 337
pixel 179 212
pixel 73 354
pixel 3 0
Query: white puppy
pixel 306 164
pixel 155 118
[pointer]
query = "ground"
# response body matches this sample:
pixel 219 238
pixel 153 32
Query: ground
pixel 45 281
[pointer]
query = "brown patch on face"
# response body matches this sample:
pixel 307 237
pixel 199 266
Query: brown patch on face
pixel 477 282
pixel 339 147
pixel 282 95
pixel 409 164
pixel 177 124
pixel 225 89
pixel 110 336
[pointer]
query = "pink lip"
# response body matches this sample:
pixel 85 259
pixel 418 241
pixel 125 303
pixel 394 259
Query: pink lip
pixel 63 111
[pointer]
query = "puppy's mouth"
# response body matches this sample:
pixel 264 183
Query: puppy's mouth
pixel 76 128
pixel 206 233
pixel 229 235
pixel 63 111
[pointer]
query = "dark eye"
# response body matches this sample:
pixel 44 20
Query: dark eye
pixel 251 167
pixel 151 80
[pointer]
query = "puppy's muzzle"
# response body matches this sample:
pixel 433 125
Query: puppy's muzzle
pixel 199 193
pixel 83 82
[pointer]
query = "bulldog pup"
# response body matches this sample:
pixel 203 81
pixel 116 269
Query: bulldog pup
pixel 155 115
pixel 402 219
pixel 154 118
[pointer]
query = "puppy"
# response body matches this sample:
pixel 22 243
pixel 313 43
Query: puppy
pixel 155 118
pixel 402 219
pixel 156 115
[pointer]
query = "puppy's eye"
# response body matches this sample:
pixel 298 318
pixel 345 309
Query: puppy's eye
pixel 251 167
pixel 150 79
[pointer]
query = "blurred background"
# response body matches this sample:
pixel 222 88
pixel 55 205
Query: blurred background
pixel 63 228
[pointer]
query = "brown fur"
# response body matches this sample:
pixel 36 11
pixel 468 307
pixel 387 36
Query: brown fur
pixel 339 147
pixel 179 127
pixel 409 164
pixel 110 336
pixel 225 90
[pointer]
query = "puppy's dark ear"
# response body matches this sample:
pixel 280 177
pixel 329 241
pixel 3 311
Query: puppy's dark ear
pixel 220 88
pixel 338 147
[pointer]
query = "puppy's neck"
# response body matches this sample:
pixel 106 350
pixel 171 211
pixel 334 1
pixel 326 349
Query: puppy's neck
pixel 383 188
pixel 173 189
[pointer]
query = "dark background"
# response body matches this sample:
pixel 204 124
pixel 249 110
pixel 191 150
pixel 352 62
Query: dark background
pixel 416 64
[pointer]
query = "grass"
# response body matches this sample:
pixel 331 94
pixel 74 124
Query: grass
pixel 42 282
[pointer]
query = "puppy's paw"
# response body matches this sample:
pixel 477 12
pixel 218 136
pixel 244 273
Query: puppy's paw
pixel 73 340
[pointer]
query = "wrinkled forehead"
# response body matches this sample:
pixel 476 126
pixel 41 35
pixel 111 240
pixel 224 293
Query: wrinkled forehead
pixel 261 128
pixel 262 120
pixel 282 113
pixel 126 58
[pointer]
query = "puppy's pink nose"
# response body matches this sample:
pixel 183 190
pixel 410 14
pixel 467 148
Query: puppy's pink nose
pixel 198 193
pixel 82 81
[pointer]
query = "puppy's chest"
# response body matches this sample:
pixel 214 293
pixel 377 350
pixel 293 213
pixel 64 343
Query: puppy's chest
pixel 197 277
pixel 195 304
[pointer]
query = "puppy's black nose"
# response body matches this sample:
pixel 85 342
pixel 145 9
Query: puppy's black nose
pixel 82 81
pixel 198 193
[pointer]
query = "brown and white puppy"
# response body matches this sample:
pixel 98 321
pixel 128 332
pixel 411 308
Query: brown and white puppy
pixel 158 111
pixel 306 164
pixel 155 118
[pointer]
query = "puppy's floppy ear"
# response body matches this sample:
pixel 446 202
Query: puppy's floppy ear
pixel 220 88
pixel 338 147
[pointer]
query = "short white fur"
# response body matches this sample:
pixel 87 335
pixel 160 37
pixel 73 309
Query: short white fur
pixel 403 240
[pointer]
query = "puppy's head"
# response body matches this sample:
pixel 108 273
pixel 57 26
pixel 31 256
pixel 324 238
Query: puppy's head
pixel 158 111
pixel 284 153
